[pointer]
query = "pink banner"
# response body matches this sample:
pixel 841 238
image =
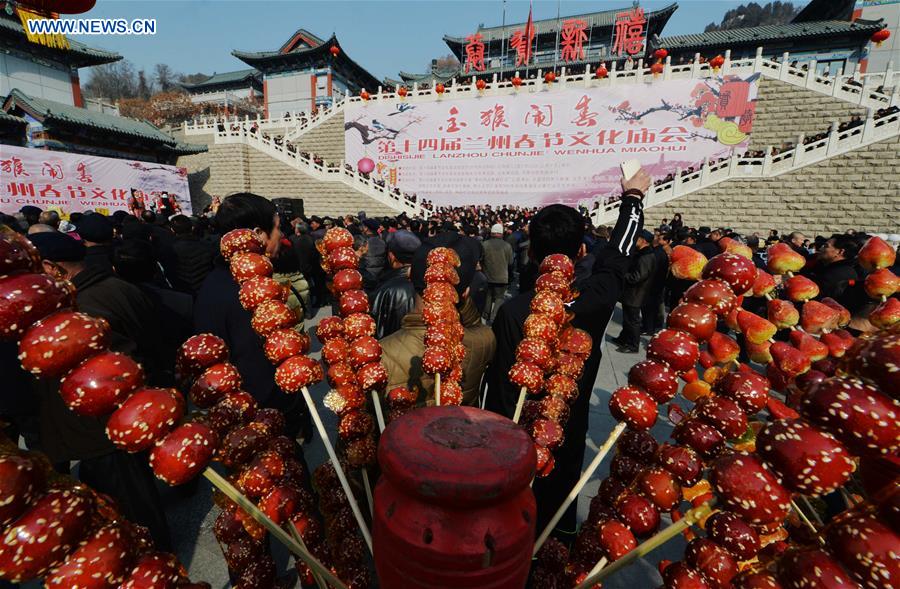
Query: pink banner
pixel 560 145
pixel 71 182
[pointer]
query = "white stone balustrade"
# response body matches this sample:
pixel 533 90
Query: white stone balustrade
pixel 335 172
pixel 741 167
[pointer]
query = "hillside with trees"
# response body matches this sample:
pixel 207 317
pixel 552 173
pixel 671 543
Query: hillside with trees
pixel 753 15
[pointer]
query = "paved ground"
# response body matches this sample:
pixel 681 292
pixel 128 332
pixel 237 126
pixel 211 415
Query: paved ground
pixel 192 519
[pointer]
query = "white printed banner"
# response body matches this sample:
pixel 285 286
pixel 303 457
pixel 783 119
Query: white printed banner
pixel 558 145
pixel 71 182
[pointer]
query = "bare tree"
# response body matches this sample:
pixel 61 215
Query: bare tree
pixel 112 81
pixel 447 62
pixel 193 78
pixel 752 15
pixel 144 89
pixel 164 76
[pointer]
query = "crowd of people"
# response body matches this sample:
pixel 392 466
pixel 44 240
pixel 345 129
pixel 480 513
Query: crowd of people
pixel 159 279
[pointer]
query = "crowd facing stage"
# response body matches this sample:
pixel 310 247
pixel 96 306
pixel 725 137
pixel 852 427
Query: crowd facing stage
pixel 160 279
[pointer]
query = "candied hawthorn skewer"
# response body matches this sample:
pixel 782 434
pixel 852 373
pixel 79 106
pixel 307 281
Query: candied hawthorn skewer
pixel 295 373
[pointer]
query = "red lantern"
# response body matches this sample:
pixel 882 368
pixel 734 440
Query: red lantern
pixel 661 53
pixel 364 95
pixel 716 62
pixel 880 37
pixel 335 50
pixel 402 91
pixel 481 85
pixel 439 88
pixel 602 72
pixel 516 81
pixel 656 69
pixel 550 77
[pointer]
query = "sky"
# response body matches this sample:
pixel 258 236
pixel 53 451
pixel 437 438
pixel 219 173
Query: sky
pixel 384 36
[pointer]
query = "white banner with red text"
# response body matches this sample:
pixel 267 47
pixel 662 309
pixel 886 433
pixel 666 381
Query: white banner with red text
pixel 557 145
pixel 72 182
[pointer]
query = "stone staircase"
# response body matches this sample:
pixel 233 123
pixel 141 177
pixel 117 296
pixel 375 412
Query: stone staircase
pixel 772 165
pixel 334 172
pixel 322 134
pixel 867 90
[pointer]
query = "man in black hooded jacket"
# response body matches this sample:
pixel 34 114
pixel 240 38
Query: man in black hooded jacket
pixel 560 229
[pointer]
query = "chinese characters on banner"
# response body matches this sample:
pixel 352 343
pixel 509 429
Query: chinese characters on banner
pixel 571 40
pixel 563 146
pixel 70 182
pixel 474 53
pixel 630 32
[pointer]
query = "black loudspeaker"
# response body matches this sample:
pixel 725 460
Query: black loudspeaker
pixel 289 207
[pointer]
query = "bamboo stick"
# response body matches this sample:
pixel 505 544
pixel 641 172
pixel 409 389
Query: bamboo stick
pixel 323 433
pixel 232 493
pixel 602 451
pixel 368 487
pixel 660 538
pixel 519 404
pixel 379 414
pixel 295 534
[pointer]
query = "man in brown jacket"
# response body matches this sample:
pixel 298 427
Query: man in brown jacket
pixel 402 350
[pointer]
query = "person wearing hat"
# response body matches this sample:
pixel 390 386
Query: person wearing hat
pixel 402 350
pixel 316 228
pixel 66 436
pixel 31 214
pixel 395 295
pixel 498 256
pixel 97 232
pixel 638 280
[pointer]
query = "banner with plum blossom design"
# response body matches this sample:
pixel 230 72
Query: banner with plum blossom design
pixel 557 145
pixel 72 182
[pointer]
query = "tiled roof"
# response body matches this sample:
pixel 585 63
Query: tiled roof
pixel 268 61
pixel 603 18
pixel 767 33
pixel 78 54
pixel 182 148
pixel 225 78
pixel 8 119
pixel 51 111
pixel 305 35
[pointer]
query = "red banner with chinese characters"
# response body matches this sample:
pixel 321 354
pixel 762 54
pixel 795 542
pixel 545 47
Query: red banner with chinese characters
pixel 71 182
pixel 559 145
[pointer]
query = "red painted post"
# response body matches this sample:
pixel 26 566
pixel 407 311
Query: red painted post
pixel 454 507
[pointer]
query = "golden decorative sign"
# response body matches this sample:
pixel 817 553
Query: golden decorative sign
pixel 54 40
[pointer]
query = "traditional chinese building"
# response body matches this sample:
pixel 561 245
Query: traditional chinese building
pixel 888 52
pixel 306 72
pixel 40 70
pixel 12 129
pixel 595 37
pixel 222 91
pixel 837 46
pixel 63 127
pixel 835 33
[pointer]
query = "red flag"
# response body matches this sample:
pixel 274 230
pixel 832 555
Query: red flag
pixel 529 34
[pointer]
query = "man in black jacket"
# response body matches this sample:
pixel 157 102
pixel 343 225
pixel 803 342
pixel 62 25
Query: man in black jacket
pixel 187 259
pixel 66 436
pixel 653 315
pixel 835 270
pixel 638 280
pixel 217 310
pixel 97 232
pixel 310 261
pixel 560 229
pixel 395 295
